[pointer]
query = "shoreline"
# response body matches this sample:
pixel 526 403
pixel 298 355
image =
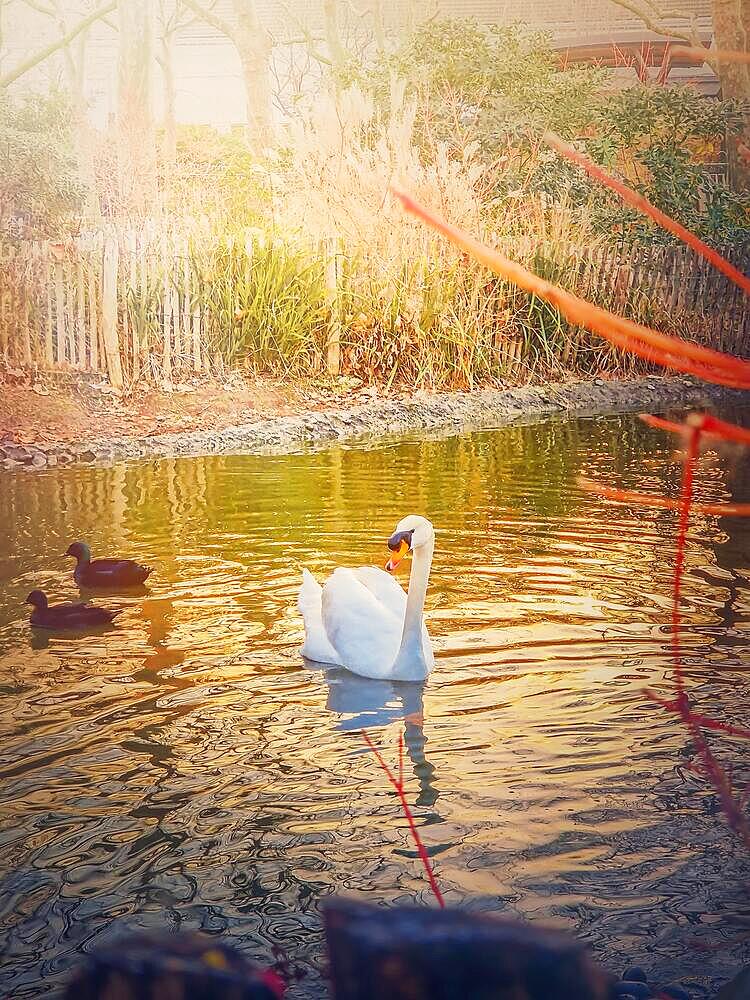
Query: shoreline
pixel 379 417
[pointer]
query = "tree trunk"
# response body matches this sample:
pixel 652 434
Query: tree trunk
pixel 75 72
pixel 731 30
pixel 336 51
pixel 166 61
pixel 254 47
pixel 378 23
pixel 135 124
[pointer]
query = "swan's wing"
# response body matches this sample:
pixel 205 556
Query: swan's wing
pixel 390 593
pixel 363 631
pixel 385 587
pixel 317 646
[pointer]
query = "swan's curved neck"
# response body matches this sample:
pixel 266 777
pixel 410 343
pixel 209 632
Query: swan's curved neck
pixel 411 637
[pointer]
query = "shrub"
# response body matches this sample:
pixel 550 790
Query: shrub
pixel 503 86
pixel 40 188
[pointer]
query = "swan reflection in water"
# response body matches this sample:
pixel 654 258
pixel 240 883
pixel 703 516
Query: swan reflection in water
pixel 363 703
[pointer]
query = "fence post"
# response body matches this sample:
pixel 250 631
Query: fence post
pixel 81 322
pixel 187 333
pixel 167 326
pixel 26 320
pixel 49 358
pixel 60 310
pixel 133 290
pixel 109 312
pixel 333 340
pixel 197 364
pixel 93 320
pixel 6 298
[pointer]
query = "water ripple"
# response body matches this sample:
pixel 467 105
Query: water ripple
pixel 188 770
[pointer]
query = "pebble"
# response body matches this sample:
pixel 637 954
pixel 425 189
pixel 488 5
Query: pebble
pixel 635 974
pixel 17 454
pixel 377 415
pixel 674 991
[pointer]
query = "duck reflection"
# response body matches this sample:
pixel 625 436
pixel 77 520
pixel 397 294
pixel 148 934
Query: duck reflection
pixel 363 703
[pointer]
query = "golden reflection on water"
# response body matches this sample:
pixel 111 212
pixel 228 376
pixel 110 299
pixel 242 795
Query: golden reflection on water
pixel 188 769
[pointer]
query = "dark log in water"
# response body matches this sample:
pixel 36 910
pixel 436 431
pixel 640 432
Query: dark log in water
pixel 166 966
pixel 414 953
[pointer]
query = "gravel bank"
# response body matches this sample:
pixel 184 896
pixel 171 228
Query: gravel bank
pixel 381 416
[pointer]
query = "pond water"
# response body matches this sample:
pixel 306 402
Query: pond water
pixel 187 769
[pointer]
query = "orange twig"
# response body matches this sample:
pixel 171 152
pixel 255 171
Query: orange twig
pixel 671 352
pixel 632 197
pixel 661 503
pixel 398 784
pixel 694 721
pixel 733 811
pixel 661 424
pixel 688 467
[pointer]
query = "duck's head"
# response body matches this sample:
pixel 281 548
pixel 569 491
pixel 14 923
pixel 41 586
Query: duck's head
pixel 79 551
pixel 412 532
pixel 37 598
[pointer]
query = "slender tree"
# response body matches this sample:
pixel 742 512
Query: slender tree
pixel 732 33
pixel 336 49
pixel 172 16
pixel 254 45
pixel 75 68
pixel 135 124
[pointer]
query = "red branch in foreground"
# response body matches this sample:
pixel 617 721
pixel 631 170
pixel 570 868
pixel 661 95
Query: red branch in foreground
pixel 696 723
pixel 657 348
pixel 670 352
pixel 631 197
pixel 691 431
pixel 662 503
pixel 398 784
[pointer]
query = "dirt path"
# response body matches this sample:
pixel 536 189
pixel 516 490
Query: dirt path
pixel 47 424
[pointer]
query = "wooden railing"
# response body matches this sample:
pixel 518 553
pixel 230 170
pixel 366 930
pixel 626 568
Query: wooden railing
pixel 129 306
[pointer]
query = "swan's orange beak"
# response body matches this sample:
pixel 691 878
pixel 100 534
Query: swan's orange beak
pixel 397 555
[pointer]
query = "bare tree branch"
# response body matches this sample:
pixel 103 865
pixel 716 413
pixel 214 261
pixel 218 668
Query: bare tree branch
pixel 660 27
pixel 7 78
pixel 207 14
pixel 40 7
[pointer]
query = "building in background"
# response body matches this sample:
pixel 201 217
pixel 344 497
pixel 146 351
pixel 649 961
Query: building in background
pixel 208 77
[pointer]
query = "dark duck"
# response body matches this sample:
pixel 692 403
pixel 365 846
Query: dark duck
pixel 108 573
pixel 66 617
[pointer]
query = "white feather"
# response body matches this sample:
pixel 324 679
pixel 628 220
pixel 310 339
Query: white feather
pixel 362 620
pixel 317 645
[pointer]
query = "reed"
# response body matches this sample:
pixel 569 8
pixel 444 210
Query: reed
pixel 316 270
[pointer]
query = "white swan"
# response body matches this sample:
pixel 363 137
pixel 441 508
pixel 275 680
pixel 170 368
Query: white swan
pixel 361 618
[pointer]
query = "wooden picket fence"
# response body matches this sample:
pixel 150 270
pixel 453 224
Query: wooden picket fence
pixel 127 304
pixel 75 306
pixel 672 285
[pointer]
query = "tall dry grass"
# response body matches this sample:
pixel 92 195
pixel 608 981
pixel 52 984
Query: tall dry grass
pixel 410 308
pixel 273 256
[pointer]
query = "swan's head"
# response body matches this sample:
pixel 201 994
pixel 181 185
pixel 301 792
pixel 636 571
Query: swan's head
pixel 411 533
